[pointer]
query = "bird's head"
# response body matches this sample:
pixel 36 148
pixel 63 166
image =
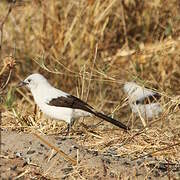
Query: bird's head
pixel 130 87
pixel 33 81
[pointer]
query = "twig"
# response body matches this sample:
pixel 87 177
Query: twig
pixel 133 136
pixel 7 81
pixel 10 63
pixel 162 149
pixel 124 25
pixel 3 22
pixel 95 55
pixel 2 70
pixel 65 156
pixel 22 174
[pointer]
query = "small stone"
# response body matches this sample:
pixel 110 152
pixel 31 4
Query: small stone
pixel 31 152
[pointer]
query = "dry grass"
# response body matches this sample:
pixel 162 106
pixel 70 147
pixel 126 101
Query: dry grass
pixel 89 49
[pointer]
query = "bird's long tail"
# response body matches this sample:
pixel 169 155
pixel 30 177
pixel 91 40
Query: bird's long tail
pixel 111 120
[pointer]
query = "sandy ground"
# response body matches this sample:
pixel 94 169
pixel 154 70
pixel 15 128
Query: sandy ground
pixel 24 156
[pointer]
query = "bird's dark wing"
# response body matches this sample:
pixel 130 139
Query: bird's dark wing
pixel 70 102
pixel 75 103
pixel 149 99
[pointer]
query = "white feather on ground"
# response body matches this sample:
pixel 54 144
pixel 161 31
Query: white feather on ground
pixel 140 100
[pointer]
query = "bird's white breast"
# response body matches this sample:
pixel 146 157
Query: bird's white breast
pixel 43 95
pixel 147 111
pixel 135 93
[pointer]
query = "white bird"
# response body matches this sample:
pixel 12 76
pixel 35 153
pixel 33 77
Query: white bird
pixel 143 101
pixel 60 105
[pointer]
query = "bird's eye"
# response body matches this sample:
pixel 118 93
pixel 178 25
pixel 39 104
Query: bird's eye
pixel 29 80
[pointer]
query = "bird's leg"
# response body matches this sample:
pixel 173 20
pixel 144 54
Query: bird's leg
pixel 68 129
pixel 71 123
pixel 69 126
pixel 35 112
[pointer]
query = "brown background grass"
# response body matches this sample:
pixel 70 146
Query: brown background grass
pixel 89 49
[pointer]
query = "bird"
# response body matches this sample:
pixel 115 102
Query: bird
pixel 60 105
pixel 143 101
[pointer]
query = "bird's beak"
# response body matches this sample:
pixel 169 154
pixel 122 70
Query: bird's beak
pixel 21 83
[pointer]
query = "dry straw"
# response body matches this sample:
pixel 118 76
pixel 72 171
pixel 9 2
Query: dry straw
pixel 89 49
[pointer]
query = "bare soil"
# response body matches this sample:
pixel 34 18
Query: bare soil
pixel 23 156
